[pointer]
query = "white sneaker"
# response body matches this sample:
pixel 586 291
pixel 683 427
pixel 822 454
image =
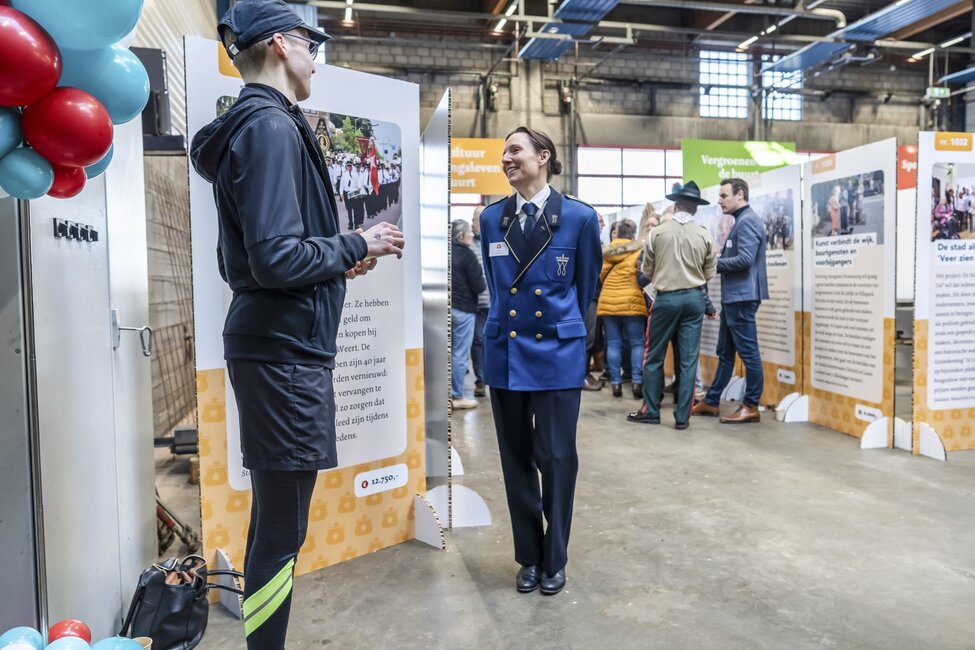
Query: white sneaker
pixel 463 403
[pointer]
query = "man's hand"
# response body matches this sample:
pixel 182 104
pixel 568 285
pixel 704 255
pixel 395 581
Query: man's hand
pixel 383 239
pixel 712 316
pixel 361 268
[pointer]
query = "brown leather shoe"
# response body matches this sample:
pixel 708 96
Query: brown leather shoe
pixel 703 408
pixel 742 415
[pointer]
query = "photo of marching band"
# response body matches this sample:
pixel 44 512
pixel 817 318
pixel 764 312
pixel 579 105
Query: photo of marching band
pixel 363 159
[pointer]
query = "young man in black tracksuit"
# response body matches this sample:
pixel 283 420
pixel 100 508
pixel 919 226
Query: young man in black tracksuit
pixel 281 251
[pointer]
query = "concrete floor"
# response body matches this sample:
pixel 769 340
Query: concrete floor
pixel 760 536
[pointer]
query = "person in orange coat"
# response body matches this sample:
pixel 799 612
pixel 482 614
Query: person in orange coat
pixel 623 307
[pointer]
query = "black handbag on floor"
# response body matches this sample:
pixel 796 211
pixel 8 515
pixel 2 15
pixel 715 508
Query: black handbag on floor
pixel 170 603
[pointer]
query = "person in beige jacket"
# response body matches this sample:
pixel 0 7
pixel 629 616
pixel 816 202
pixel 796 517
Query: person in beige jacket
pixel 681 257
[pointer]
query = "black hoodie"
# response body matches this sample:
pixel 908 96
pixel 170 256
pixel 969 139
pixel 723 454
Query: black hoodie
pixel 279 245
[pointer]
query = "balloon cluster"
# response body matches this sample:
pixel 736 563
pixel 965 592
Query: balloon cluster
pixel 63 635
pixel 65 80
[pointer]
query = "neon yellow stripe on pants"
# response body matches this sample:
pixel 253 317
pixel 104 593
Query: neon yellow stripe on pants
pixel 260 601
pixel 263 613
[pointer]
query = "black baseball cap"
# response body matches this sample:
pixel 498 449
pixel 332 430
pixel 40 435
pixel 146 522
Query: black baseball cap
pixel 255 20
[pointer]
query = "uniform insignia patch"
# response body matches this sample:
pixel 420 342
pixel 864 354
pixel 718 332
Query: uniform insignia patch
pixel 563 261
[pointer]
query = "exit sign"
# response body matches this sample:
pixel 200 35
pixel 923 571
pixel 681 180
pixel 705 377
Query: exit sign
pixel 938 92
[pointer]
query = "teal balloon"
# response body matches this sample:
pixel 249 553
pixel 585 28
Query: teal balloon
pixel 25 174
pixel 112 75
pixel 22 635
pixel 117 643
pixel 11 136
pixel 83 24
pixel 68 643
pixel 91 171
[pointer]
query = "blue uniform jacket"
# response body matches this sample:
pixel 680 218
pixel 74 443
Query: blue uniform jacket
pixel 534 335
pixel 742 262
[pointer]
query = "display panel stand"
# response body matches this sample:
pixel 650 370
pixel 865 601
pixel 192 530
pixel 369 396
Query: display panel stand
pixel 429 530
pixel 931 444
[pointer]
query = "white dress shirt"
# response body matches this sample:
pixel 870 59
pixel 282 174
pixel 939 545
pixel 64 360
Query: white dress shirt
pixel 539 200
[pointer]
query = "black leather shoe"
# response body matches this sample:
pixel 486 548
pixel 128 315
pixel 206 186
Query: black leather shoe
pixel 642 417
pixel 637 391
pixel 553 584
pixel 479 390
pixel 528 578
pixel 617 390
pixel 680 426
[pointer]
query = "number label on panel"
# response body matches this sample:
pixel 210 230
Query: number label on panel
pixel 867 413
pixel 953 141
pixel 381 480
pixel 786 376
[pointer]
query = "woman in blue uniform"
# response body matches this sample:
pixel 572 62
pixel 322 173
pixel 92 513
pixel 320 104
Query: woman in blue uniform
pixel 542 258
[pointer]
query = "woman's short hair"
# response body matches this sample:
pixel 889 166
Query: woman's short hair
pixel 459 228
pixel 541 142
pixel 626 229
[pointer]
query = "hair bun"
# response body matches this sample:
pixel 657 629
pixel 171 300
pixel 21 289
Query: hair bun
pixel 555 167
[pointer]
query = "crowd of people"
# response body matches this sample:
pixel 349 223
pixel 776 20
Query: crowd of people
pixel 953 214
pixel 618 320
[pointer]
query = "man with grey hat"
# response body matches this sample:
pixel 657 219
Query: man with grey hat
pixel 680 258
pixel 281 251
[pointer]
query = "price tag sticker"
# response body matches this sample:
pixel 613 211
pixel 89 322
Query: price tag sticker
pixel 381 480
pixel 953 141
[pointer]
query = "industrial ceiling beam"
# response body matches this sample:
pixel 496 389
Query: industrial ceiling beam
pixel 933 20
pixel 765 10
pixel 413 14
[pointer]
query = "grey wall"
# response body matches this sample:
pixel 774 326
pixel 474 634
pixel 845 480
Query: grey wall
pixel 621 110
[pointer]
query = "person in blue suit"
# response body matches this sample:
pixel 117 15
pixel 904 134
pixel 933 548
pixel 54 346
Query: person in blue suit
pixel 744 285
pixel 542 258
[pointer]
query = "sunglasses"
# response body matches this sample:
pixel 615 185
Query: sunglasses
pixel 313 45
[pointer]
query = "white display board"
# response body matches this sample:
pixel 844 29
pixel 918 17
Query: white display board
pixel 776 196
pixel 849 221
pixel 945 288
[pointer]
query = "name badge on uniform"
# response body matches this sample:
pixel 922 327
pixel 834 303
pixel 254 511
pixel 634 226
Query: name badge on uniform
pixel 727 244
pixel 498 249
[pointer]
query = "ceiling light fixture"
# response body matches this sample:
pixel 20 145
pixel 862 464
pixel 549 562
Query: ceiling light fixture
pixel 348 13
pixel 504 21
pixel 956 40
pixel 744 44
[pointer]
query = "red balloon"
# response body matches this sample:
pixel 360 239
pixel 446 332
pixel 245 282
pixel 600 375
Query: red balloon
pixel 69 127
pixel 68 182
pixel 69 627
pixel 31 60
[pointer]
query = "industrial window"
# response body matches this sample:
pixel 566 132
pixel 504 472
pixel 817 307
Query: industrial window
pixel 724 84
pixel 781 105
pixel 613 178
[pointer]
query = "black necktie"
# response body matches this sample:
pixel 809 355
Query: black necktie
pixel 530 210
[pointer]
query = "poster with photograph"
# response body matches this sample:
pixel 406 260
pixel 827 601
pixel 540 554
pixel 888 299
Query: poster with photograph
pixel 944 327
pixel 849 217
pixel 370 144
pixel 775 197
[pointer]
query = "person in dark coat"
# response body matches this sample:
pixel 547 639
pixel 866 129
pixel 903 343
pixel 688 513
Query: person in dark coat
pixel 281 251
pixel 744 285
pixel 466 283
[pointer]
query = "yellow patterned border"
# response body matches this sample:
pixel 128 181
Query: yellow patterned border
pixel 837 411
pixel 775 390
pixel 956 427
pixel 341 526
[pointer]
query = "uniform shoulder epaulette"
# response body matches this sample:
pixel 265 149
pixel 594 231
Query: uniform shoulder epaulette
pixel 576 198
pixel 501 200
